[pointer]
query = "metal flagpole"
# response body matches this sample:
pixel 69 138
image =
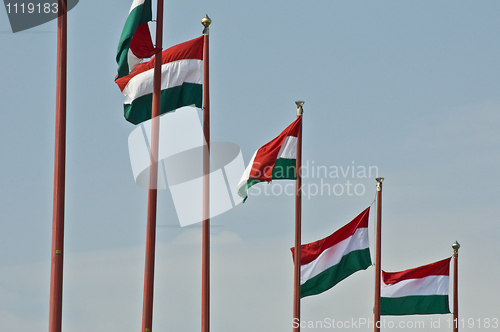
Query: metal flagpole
pixel 455 247
pixel 376 321
pixel 56 274
pixel 298 215
pixel 205 264
pixel 149 268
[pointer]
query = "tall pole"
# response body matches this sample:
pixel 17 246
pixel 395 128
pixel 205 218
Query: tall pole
pixel 455 247
pixel 149 266
pixel 298 215
pixel 205 264
pixel 56 273
pixel 378 256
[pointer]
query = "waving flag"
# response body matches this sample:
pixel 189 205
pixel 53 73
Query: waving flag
pixel 181 82
pixel 327 262
pixel 419 291
pixel 135 42
pixel 275 160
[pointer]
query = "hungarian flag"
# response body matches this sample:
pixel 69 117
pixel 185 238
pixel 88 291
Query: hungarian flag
pixel 419 291
pixel 135 42
pixel 275 160
pixel 181 82
pixel 326 262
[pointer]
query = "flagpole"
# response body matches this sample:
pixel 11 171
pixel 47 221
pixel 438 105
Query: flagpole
pixel 56 274
pixel 378 256
pixel 149 266
pixel 298 217
pixel 205 264
pixel 455 247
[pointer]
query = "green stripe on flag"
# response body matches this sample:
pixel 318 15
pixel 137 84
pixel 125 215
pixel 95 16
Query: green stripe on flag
pixel 284 169
pixel 354 261
pixel 414 305
pixel 171 99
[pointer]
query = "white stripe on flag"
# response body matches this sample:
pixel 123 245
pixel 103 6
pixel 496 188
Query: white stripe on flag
pixel 132 60
pixel 289 148
pixel 246 174
pixel 172 74
pixel 136 3
pixel 431 285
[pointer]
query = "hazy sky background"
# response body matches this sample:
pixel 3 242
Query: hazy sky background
pixel 411 88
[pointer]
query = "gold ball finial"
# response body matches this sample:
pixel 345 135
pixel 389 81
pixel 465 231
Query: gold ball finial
pixel 206 21
pixel 455 246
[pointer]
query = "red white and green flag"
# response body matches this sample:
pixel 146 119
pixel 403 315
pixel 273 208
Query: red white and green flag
pixel 419 291
pixel 273 161
pixel 181 82
pixel 327 262
pixel 135 42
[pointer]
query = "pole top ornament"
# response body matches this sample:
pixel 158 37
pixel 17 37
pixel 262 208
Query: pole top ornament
pixel 206 21
pixel 299 104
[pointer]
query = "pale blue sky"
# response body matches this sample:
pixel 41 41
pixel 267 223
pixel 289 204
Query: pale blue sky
pixel 409 87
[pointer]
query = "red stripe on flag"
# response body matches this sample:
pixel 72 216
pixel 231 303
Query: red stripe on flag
pixel 192 49
pixel 441 268
pixel 262 167
pixel 141 44
pixel 311 251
